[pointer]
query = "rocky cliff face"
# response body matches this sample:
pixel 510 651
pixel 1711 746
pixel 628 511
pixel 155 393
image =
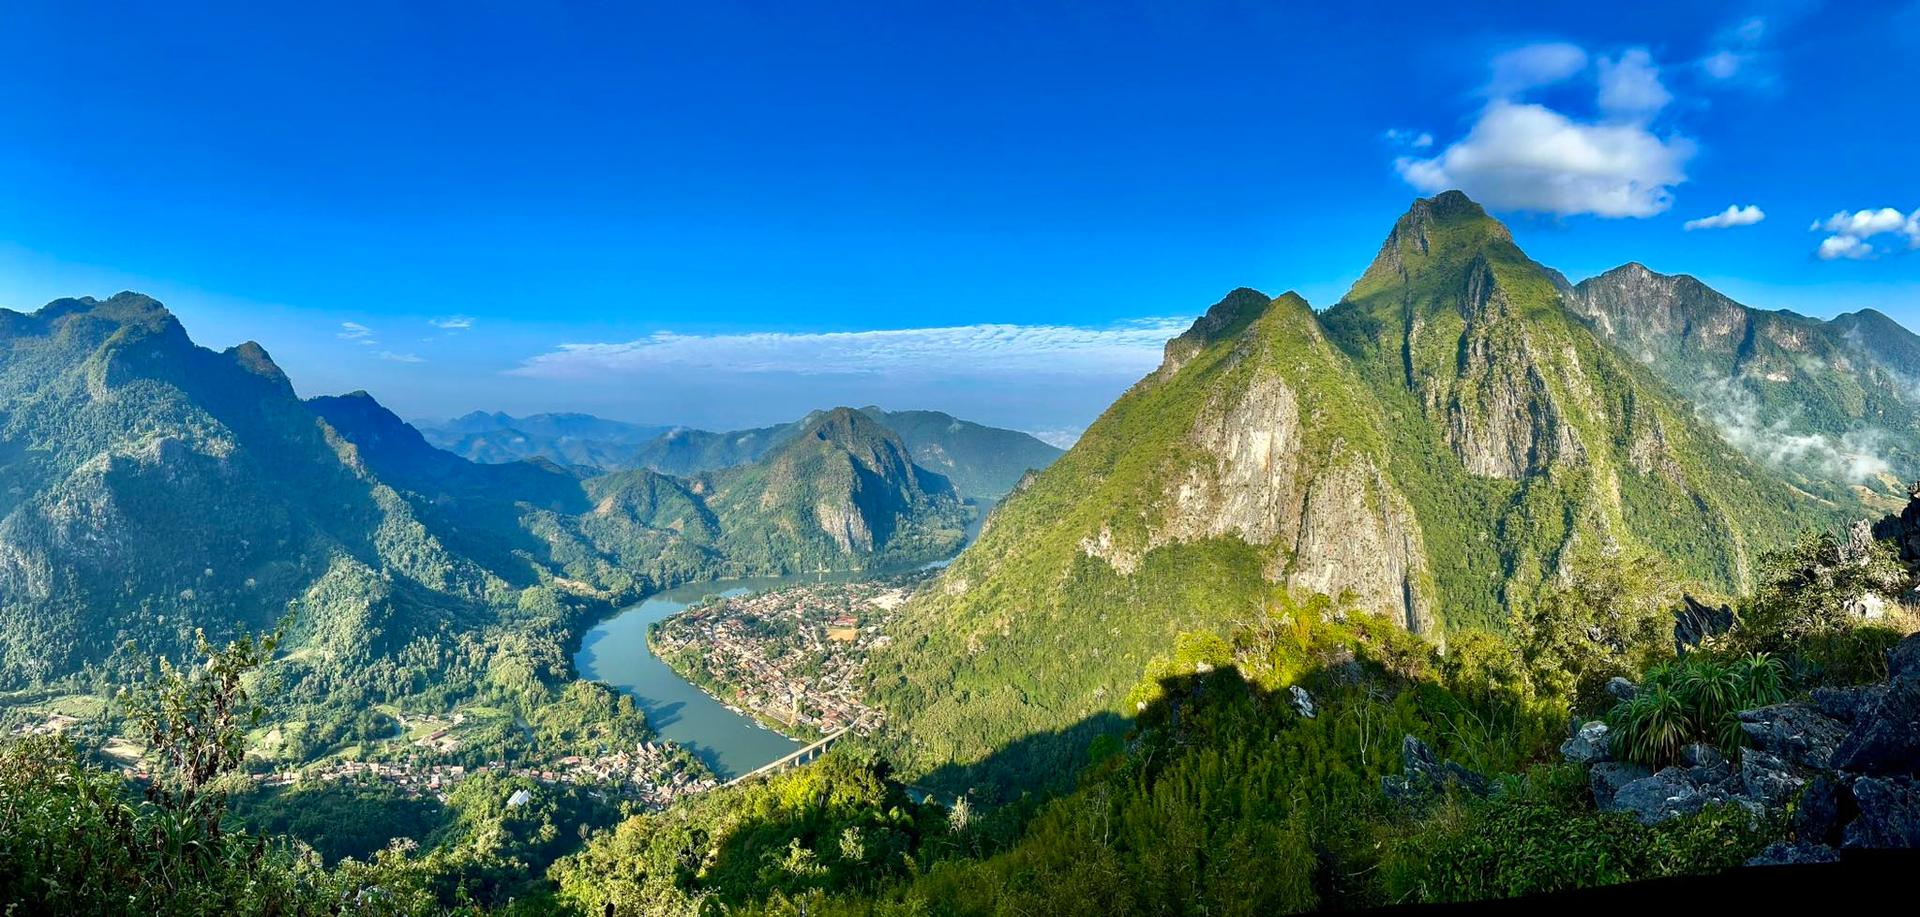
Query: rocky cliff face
pixel 843 480
pixel 1430 447
pixel 1829 403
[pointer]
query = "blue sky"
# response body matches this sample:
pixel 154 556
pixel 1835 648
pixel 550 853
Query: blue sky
pixel 702 213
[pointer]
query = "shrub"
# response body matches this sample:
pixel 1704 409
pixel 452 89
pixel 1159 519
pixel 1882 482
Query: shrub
pixel 1697 699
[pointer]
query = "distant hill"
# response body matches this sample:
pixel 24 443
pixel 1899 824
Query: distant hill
pixel 1829 402
pixel 686 451
pixel 982 462
pixel 566 438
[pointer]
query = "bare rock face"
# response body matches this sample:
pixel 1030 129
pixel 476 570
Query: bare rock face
pixel 1500 417
pixel 1334 522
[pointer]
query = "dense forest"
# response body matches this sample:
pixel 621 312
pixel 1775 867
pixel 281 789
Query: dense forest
pixel 1316 756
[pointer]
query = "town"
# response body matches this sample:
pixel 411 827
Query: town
pixel 794 658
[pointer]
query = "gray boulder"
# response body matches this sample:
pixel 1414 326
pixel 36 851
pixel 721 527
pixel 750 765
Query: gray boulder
pixel 1705 765
pixel 1302 703
pixel 1848 705
pixel 1423 774
pixel 1622 689
pixel 1903 661
pixel 1768 779
pixel 1886 736
pixel 1817 818
pixel 1695 621
pixel 1794 732
pixel 1667 794
pixel 1889 814
pixel 1607 777
pixel 1589 745
pixel 1797 853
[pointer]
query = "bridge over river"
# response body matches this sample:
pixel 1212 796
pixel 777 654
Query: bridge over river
pixel 795 759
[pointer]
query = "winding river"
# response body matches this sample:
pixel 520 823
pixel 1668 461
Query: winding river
pixel 729 743
pixel 616 652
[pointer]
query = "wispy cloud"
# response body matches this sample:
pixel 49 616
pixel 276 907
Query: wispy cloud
pixel 357 333
pixel 1734 215
pixel 1852 456
pixel 399 357
pixel 1849 232
pixel 1418 140
pixel 1059 439
pixel 962 351
pixel 1522 155
pixel 452 322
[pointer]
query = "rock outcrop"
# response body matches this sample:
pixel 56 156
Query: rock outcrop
pixel 1845 764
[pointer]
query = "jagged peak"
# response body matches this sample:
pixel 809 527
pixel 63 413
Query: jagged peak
pixel 253 358
pixel 1449 226
pixel 1224 319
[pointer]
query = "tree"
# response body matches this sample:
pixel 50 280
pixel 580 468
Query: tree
pixel 194 722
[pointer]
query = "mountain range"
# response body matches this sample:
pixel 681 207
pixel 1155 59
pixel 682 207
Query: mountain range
pixel 150 487
pixel 984 463
pixel 1437 447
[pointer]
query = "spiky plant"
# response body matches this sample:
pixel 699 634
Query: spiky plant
pixel 1653 727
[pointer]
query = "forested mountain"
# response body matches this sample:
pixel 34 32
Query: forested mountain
pixel 982 462
pixel 687 451
pixel 844 485
pixel 1438 445
pixel 150 487
pixel 566 438
pixel 1829 402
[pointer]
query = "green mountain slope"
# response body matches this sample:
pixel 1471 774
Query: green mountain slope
pixel 689 452
pixel 1825 402
pixel 843 488
pixel 983 462
pixel 1434 445
pixel 152 487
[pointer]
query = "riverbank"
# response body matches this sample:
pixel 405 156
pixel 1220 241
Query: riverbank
pixel 793 658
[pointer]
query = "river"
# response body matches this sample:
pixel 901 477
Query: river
pixel 729 743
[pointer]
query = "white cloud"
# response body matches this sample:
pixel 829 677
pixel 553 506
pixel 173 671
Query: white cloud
pixel 1522 155
pixel 1833 247
pixel 1734 215
pixel 1059 439
pixel 1530 157
pixel 1734 410
pixel 399 357
pixel 452 323
pixel 1630 86
pixel 1849 232
pixel 1418 140
pixel 1723 64
pixel 1534 66
pixel 965 351
pixel 354 331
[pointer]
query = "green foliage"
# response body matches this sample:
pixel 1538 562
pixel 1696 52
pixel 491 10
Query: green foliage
pixel 1695 699
pixel 1540 836
pixel 340 820
pixel 194 723
pixel 1809 591
pixel 835 825
pixel 1608 615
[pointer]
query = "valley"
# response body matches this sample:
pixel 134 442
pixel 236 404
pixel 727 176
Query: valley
pixel 1329 563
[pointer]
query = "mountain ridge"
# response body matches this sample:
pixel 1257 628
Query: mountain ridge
pixel 1437 445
